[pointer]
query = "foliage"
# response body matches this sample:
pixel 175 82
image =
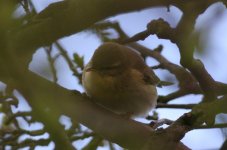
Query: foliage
pixel 21 35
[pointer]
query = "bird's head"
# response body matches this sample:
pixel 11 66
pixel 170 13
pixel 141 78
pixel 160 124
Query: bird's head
pixel 109 58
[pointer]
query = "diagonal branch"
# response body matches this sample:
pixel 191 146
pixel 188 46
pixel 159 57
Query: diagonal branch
pixel 52 24
pixel 125 132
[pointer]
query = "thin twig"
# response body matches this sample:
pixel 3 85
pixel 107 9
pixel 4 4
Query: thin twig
pixel 111 146
pixel 84 136
pixel 172 96
pixel 175 106
pixel 94 143
pixel 222 125
pixel 25 5
pixel 18 114
pixel 51 62
pixel 69 61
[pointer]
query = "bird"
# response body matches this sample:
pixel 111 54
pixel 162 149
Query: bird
pixel 117 78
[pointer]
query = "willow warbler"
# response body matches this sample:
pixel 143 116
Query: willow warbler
pixel 118 79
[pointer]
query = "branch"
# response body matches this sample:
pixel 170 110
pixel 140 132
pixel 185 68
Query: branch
pixel 174 132
pixel 84 136
pixel 222 125
pixel 171 96
pixel 69 61
pixel 51 63
pixel 75 16
pixel 187 82
pixel 93 144
pixel 159 27
pixel 224 145
pixel 125 132
pixel 186 43
pixel 58 101
pixel 14 116
pixel 180 106
pixel 52 24
pixel 208 111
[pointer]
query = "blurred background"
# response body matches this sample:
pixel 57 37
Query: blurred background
pixel 211 25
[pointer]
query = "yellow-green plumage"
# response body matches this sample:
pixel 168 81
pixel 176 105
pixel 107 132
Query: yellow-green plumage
pixel 120 85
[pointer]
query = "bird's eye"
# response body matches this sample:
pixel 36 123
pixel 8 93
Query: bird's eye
pixel 112 66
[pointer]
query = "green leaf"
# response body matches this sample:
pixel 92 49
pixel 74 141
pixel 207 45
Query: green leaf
pixel 79 60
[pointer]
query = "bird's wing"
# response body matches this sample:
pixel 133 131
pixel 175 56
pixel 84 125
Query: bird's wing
pixel 148 74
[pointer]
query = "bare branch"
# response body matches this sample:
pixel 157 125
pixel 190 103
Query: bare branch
pixel 51 62
pixel 175 106
pixel 223 125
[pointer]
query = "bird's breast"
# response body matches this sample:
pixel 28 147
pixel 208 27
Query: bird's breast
pixel 124 93
pixel 96 85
